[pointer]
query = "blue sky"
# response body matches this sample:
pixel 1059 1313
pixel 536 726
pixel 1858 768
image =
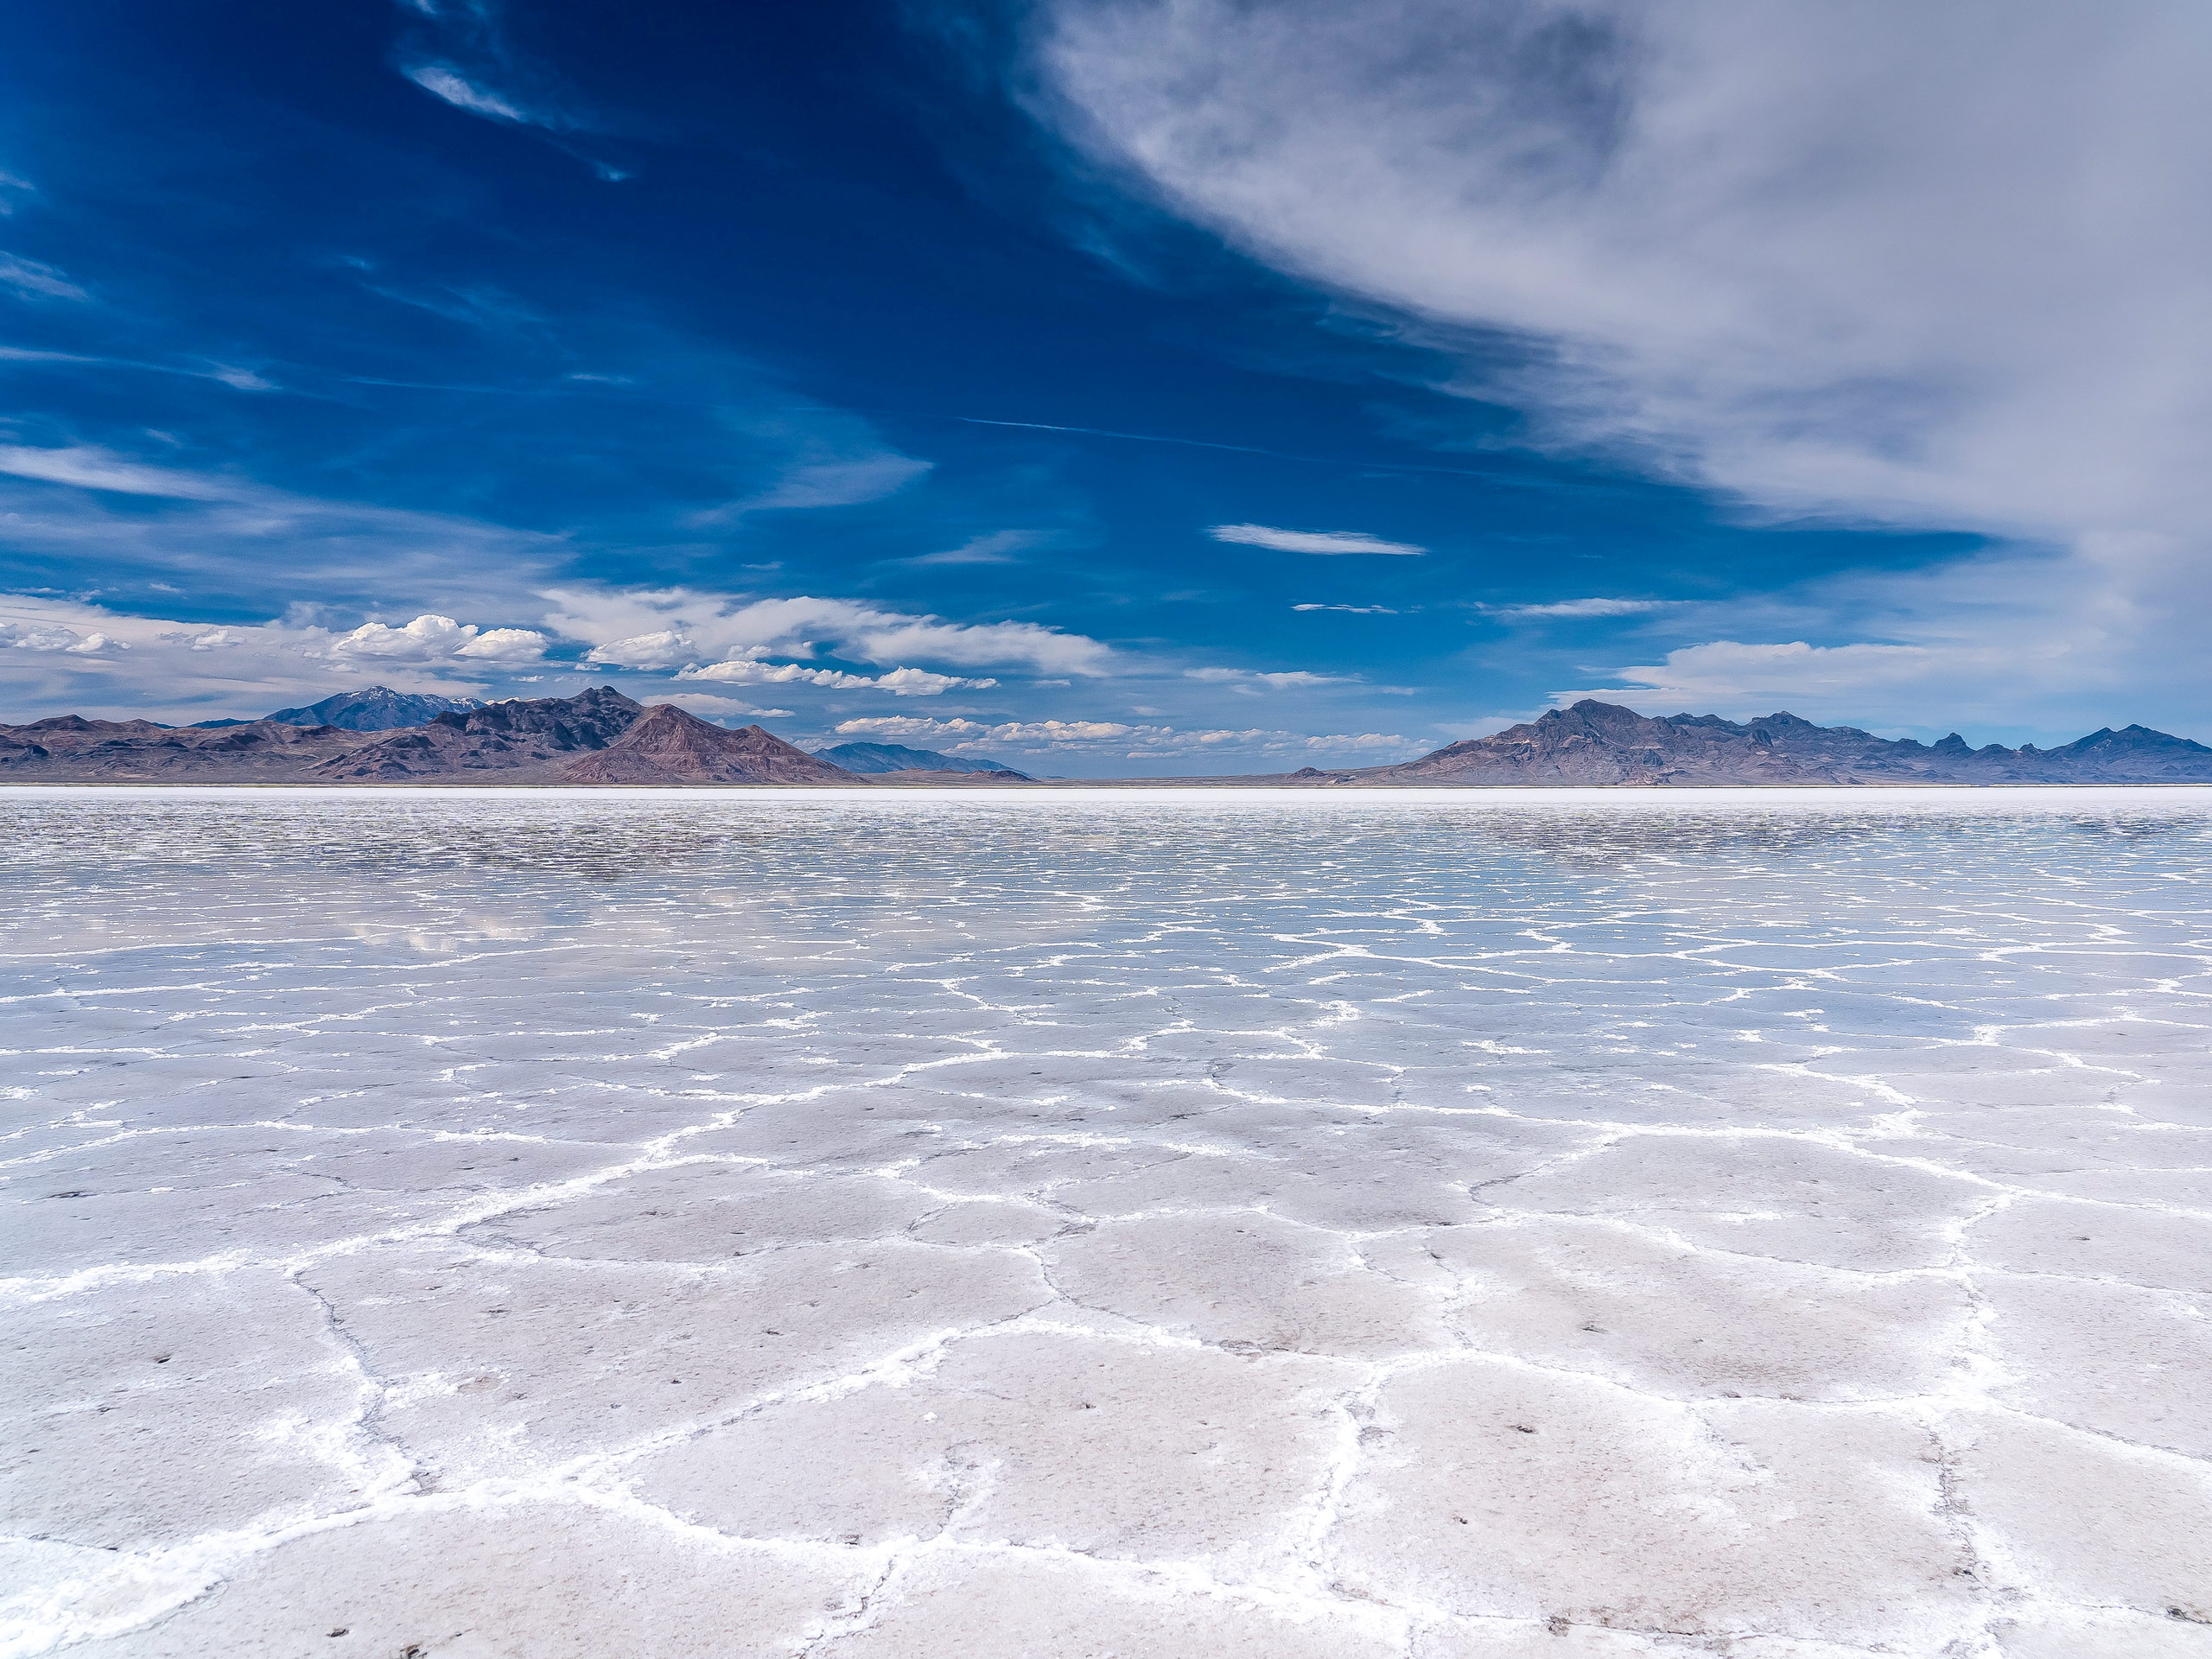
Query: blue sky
pixel 1114 388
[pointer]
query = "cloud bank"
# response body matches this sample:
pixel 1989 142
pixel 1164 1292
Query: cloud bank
pixel 1927 266
pixel 66 654
pixel 1120 740
pixel 675 627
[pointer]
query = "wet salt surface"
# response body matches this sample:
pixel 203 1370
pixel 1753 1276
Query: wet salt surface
pixel 1760 1223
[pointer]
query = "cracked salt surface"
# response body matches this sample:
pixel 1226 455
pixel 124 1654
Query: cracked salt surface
pixel 1760 1223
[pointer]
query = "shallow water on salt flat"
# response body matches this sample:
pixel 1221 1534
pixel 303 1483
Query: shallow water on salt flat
pixel 1760 1223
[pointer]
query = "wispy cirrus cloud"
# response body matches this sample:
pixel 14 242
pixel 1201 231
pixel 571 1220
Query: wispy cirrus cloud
pixel 1569 609
pixel 33 281
pixel 1251 681
pixel 1349 610
pixel 463 54
pixel 1310 541
pixel 1122 739
pixel 443 80
pixel 825 481
pixel 997 547
pixel 92 467
pixel 136 520
pixel 238 379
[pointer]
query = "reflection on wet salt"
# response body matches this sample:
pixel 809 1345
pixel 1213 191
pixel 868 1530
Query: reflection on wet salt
pixel 1760 1223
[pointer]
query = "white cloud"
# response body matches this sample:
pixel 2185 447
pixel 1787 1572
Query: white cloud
pixel 900 682
pixel 1352 610
pixel 1310 541
pixel 999 547
pixel 228 532
pixel 920 682
pixel 504 645
pixel 1727 673
pixel 839 483
pixel 907 726
pixel 33 636
pixel 461 54
pixel 34 280
pixel 91 467
pixel 431 639
pixel 826 459
pixel 443 80
pixel 662 648
pixel 62 655
pixel 237 379
pixel 726 628
pixel 1570 609
pixel 1246 679
pixel 708 706
pixel 1930 266
pixel 1108 738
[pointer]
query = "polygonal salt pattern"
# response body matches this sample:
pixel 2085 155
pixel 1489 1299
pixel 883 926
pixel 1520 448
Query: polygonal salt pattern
pixel 1483 1225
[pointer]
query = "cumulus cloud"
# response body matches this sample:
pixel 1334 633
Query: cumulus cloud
pixel 1928 266
pixel 908 725
pixel 662 648
pixel 63 656
pixel 723 629
pixel 47 636
pixel 900 682
pixel 1310 541
pixel 430 638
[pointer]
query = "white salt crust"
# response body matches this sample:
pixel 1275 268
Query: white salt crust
pixel 1773 1224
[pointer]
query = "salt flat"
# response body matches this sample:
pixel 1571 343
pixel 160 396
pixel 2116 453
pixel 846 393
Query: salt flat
pixel 533 1223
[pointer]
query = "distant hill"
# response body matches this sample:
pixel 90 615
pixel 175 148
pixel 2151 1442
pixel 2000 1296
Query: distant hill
pixel 70 749
pixel 379 709
pixel 501 742
pixel 669 747
pixel 599 736
pixel 896 757
pixel 1595 742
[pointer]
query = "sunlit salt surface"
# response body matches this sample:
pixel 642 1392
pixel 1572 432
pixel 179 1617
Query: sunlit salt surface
pixel 1076 1223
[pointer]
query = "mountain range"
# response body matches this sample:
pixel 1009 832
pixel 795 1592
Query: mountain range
pixel 379 709
pixel 897 757
pixel 602 737
pixel 1594 742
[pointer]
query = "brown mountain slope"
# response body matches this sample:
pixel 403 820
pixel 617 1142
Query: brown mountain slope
pixel 669 747
pixel 504 742
pixel 69 748
pixel 1594 742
